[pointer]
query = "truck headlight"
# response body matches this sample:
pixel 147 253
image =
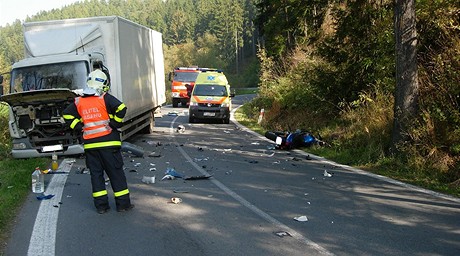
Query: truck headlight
pixel 19 145
pixel 175 95
pixel 225 105
pixel 192 103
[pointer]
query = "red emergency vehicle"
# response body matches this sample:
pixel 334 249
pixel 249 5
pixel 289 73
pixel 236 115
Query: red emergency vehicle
pixel 182 82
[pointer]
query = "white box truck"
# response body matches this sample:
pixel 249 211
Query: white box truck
pixel 59 55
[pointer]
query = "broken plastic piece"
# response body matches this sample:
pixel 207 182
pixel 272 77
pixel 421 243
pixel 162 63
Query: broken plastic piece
pixel 45 197
pixel 327 174
pixel 180 128
pixel 168 177
pixel 176 200
pixel 173 172
pixel 153 154
pixel 282 233
pixel 148 179
pixel 301 218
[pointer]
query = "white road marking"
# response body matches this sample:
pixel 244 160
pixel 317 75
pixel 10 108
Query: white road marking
pixel 43 239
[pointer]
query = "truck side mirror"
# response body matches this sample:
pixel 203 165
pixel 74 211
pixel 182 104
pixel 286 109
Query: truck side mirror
pixel 170 76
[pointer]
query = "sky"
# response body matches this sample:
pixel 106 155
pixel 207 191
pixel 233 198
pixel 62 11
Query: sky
pixel 10 10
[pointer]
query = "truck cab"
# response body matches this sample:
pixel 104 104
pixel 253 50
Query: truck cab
pixel 40 89
pixel 59 55
pixel 211 97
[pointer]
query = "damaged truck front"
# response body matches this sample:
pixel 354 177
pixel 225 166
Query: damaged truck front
pixel 59 56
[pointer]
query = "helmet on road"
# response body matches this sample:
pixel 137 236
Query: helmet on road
pixel 96 83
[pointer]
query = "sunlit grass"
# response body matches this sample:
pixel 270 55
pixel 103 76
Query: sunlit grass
pixel 239 91
pixel 15 185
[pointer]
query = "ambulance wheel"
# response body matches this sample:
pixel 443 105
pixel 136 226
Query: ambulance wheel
pixel 191 120
pixel 226 120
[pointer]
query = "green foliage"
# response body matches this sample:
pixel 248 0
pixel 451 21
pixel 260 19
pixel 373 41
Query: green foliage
pixel 284 24
pixel 5 140
pixel 342 85
pixel 217 33
pixel 361 51
pixel 15 185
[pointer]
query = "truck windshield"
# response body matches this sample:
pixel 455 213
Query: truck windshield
pixel 209 90
pixel 71 75
pixel 185 76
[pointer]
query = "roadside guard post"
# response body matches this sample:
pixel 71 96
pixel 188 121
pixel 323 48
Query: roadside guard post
pixel 261 116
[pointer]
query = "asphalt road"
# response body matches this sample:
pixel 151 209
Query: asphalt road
pixel 248 206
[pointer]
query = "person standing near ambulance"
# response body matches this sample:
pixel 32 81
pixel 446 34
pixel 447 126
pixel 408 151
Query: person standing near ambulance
pixel 98 115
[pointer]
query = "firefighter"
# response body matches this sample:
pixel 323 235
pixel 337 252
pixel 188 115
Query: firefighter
pixel 98 115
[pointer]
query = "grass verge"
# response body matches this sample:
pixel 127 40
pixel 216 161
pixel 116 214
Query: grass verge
pixel 15 185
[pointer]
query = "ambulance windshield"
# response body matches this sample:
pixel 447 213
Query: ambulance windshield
pixel 210 90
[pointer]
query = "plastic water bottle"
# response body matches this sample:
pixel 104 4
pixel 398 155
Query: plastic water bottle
pixel 38 181
pixel 54 163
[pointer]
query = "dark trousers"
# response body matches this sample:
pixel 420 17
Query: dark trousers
pixel 110 161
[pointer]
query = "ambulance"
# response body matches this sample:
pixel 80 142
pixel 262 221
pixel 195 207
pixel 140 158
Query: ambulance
pixel 211 97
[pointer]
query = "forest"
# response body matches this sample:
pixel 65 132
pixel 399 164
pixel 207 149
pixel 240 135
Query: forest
pixel 326 66
pixel 206 33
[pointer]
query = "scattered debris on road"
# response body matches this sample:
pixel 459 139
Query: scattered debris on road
pixel 176 200
pixel 132 149
pixel 282 233
pixel 172 172
pixel 327 174
pixel 180 129
pixel 168 177
pixel 45 197
pixel 301 218
pixel 200 177
pixel 148 179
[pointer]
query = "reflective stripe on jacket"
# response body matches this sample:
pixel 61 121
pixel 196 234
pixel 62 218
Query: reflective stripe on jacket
pixel 94 115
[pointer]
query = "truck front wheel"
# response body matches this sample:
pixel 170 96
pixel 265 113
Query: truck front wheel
pixel 151 127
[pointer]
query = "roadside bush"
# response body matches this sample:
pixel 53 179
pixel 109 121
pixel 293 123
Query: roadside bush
pixel 5 140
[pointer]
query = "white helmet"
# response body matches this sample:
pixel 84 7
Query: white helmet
pixel 96 83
